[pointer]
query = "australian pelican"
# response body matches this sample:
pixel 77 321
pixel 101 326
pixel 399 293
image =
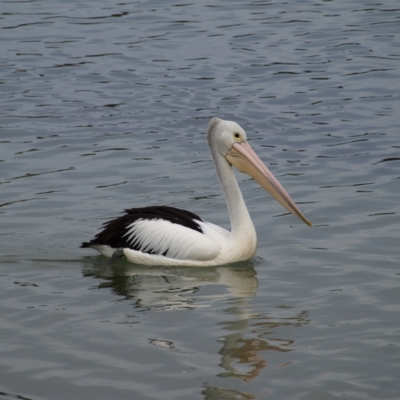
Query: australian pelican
pixel 169 236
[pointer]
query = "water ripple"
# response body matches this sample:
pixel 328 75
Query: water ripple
pixel 105 105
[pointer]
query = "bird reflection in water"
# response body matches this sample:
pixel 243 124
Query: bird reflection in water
pixel 244 354
pixel 251 336
pixel 239 351
pixel 169 288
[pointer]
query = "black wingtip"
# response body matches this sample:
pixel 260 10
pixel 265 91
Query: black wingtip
pixel 85 245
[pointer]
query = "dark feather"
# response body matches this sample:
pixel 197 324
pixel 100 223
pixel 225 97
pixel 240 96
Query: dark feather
pixel 114 230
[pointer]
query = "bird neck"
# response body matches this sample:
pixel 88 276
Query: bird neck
pixel 242 228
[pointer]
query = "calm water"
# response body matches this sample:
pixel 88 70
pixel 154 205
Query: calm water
pixel 104 105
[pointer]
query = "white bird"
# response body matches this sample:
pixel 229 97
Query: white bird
pixel 169 236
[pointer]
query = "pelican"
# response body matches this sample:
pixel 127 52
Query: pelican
pixel 164 235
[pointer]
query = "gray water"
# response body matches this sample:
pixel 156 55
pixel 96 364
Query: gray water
pixel 104 105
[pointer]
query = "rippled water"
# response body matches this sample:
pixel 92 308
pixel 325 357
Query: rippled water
pixel 104 106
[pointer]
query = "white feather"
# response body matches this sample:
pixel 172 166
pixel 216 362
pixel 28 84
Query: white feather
pixel 177 241
pixel 104 249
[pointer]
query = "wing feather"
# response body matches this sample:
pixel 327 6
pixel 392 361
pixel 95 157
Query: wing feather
pixel 161 230
pixel 171 240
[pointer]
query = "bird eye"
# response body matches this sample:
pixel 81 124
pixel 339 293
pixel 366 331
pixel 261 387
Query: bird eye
pixel 237 135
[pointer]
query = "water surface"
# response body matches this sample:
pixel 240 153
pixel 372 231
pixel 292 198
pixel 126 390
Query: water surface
pixel 104 106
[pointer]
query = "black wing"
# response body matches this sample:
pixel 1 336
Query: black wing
pixel 114 230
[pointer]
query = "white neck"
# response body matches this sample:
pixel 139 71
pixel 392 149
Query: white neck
pixel 243 236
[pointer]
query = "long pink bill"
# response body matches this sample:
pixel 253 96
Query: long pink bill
pixel 243 157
